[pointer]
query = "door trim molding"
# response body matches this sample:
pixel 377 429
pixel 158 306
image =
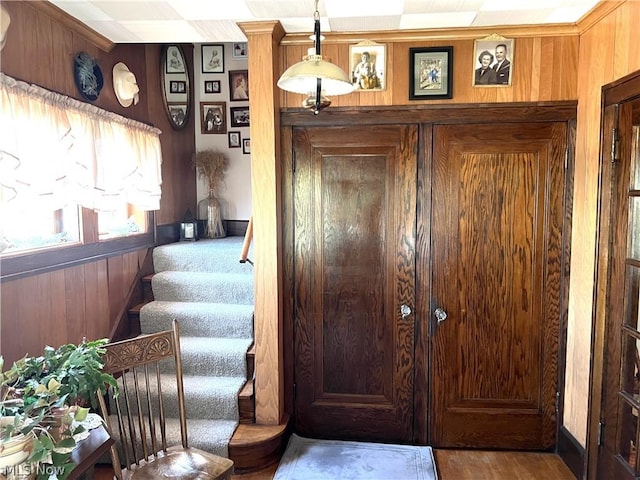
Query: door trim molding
pixel 571 452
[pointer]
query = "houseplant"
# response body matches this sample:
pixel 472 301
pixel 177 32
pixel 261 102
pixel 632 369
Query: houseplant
pixel 41 396
pixel 36 438
pixel 211 165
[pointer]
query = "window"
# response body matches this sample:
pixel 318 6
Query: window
pixel 71 173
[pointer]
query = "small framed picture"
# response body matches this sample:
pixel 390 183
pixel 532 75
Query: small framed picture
pixel 239 116
pixel 178 113
pixel 239 85
pixel 212 58
pixel 368 66
pixel 213 117
pixel 177 86
pixel 431 75
pixel 234 139
pixel 175 60
pixel 246 145
pixel 239 50
pixel 212 86
pixel 492 63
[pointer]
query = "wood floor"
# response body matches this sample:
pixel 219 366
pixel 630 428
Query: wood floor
pixel 461 465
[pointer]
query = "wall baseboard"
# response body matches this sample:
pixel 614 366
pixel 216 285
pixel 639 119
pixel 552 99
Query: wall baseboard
pixel 571 452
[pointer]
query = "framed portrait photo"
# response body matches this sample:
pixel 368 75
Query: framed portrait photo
pixel 177 112
pixel 368 66
pixel 177 86
pixel 431 75
pixel 239 50
pixel 213 118
pixel 493 62
pixel 212 58
pixel 240 116
pixel 212 86
pixel 234 139
pixel 175 60
pixel 246 145
pixel 239 85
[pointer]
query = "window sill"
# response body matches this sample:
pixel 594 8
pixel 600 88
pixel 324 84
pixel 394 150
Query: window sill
pixel 17 266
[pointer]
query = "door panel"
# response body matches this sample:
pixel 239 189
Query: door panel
pixel 618 456
pixel 354 215
pixel 497 263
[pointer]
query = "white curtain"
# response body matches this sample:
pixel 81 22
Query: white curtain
pixel 55 150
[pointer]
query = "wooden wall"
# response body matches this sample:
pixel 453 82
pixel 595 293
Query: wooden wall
pixel 608 51
pixel 544 68
pixel 65 305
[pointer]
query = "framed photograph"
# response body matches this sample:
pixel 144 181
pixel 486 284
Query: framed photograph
pixel 239 116
pixel 246 145
pixel 213 117
pixel 177 86
pixel 239 50
pixel 239 85
pixel 175 61
pixel 178 112
pixel 493 61
pixel 431 75
pixel 234 139
pixel 212 58
pixel 367 61
pixel 212 86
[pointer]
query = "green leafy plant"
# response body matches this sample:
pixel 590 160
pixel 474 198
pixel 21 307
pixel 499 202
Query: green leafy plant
pixel 37 414
pixel 39 395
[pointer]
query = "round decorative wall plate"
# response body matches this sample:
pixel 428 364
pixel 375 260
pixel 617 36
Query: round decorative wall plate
pixel 88 76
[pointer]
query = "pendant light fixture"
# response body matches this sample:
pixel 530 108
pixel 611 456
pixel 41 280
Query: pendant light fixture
pixel 315 75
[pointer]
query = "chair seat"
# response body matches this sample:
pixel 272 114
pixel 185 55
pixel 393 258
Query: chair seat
pixel 183 463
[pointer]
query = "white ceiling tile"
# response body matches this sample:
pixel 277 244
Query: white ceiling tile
pixel 115 32
pixel 361 8
pixel 441 6
pixel 567 15
pixel 436 20
pixel 141 10
pixel 83 10
pixel 178 31
pixel 365 24
pixel 222 31
pixel 270 9
pixel 513 17
pixel 207 10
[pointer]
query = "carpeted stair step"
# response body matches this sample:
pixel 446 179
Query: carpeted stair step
pixel 199 319
pixel 203 287
pixel 214 356
pixel 206 434
pixel 208 396
pixel 219 255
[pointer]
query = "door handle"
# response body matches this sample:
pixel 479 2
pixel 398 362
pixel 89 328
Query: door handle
pixel 405 311
pixel 441 315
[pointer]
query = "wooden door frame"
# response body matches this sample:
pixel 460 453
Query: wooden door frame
pixel 623 89
pixel 425 116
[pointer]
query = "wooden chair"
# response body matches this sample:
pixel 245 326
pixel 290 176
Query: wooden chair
pixel 141 406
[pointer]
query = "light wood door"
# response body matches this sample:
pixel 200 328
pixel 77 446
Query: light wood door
pixel 354 281
pixel 620 223
pixel 497 225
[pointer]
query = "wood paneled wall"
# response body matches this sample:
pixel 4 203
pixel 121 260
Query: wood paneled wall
pixel 87 300
pixel 608 51
pixel 544 68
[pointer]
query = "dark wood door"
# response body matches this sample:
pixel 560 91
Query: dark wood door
pixel 497 220
pixel 354 269
pixel 620 222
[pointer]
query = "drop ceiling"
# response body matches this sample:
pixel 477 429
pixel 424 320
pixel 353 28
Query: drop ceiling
pixel 204 21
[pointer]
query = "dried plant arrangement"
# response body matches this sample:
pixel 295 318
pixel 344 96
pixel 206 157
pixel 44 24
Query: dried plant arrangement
pixel 211 165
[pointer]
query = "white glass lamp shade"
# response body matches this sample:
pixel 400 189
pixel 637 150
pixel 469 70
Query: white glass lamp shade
pixel 302 77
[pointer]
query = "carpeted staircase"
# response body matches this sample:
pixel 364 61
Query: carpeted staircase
pixel 204 286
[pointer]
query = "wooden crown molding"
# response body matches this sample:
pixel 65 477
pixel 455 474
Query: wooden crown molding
pixel 73 24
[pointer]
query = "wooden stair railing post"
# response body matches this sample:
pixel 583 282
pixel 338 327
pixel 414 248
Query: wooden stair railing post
pixel 248 236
